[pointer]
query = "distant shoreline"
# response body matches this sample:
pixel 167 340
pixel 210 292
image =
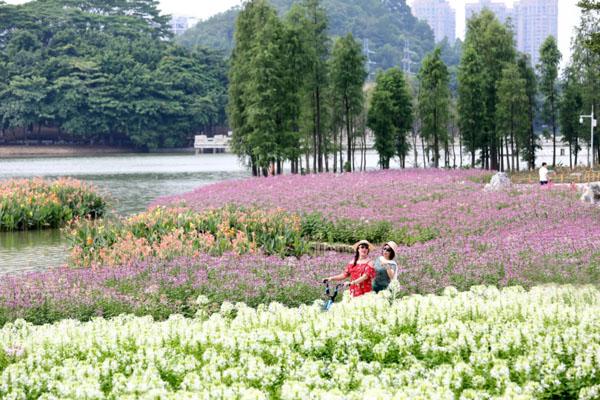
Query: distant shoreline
pixel 71 151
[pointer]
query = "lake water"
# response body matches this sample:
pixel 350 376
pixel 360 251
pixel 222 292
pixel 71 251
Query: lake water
pixel 131 181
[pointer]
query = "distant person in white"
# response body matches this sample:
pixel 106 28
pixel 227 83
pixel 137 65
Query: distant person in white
pixel 544 174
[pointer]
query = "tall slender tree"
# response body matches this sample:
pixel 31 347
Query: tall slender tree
pixel 434 100
pixel 390 116
pixel 493 44
pixel 511 114
pixel 570 107
pixel 348 76
pixel 585 61
pixel 548 67
pixel 470 107
pixel 263 90
pixel 529 145
pixel 308 21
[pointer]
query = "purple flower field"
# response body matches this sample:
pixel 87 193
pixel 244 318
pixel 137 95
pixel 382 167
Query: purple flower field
pixel 162 288
pixel 526 235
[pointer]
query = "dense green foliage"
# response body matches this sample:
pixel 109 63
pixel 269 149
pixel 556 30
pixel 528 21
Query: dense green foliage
pixel 94 72
pixel 434 102
pixel 348 76
pixel 569 110
pixel 530 144
pixel 488 46
pixel 307 21
pixel 593 39
pixel 511 114
pixel 585 61
pixel 549 59
pixel 387 25
pixel 264 88
pixel 284 85
pixel 390 116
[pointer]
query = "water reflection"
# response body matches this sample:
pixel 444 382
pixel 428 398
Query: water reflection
pixel 131 181
pixel 31 250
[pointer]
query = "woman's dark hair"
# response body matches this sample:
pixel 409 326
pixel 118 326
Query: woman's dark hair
pixel 393 255
pixel 356 253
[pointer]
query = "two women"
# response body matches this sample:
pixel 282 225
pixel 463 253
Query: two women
pixel 365 275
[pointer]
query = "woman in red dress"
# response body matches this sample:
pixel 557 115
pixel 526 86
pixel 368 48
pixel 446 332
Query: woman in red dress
pixel 360 271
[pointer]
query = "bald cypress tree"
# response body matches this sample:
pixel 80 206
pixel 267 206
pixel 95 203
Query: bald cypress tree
pixel 434 102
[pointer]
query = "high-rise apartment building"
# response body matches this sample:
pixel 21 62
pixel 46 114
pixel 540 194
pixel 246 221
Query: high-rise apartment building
pixel 532 20
pixel 535 21
pixel 440 17
pixel 499 8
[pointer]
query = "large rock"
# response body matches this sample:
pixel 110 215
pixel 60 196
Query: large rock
pixel 591 193
pixel 499 181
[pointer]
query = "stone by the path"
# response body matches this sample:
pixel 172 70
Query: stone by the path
pixel 591 193
pixel 499 181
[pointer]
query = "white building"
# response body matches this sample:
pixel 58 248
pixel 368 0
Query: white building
pixel 499 8
pixel 535 21
pixel 532 20
pixel 180 24
pixel 440 17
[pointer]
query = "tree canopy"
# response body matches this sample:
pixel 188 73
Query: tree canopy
pixel 97 71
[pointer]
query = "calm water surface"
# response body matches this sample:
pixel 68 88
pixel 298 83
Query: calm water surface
pixel 131 182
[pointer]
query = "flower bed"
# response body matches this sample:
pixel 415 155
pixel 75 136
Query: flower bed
pixel 164 233
pixel 161 288
pixel 37 203
pixel 456 234
pixel 484 343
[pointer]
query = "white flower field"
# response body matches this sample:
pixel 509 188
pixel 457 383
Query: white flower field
pixel 481 344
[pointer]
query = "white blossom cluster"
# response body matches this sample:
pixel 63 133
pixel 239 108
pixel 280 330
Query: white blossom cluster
pixel 481 344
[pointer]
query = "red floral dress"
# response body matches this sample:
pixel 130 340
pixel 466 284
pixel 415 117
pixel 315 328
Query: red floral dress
pixel 355 272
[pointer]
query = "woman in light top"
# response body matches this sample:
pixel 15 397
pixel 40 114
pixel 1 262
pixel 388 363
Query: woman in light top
pixel 385 267
pixel 360 270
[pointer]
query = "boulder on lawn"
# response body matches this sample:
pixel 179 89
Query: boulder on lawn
pixel 499 181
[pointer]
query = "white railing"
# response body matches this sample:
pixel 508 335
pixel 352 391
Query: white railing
pixel 215 143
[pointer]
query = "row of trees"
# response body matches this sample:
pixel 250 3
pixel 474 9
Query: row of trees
pixel 500 99
pixel 296 97
pixel 292 94
pixel 104 72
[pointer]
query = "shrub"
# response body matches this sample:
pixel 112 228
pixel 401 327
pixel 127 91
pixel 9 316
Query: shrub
pixel 37 204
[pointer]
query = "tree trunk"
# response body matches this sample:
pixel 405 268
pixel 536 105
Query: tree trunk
pixel 436 145
pixel 508 155
pixel 576 149
pixel 553 133
pixel 314 149
pixel 571 157
pixel 335 151
pixel 307 161
pixel 348 131
pixel 319 133
pixel 501 155
pixel 493 152
pixel 453 149
pixel 425 160
pixel 460 148
pixel 416 154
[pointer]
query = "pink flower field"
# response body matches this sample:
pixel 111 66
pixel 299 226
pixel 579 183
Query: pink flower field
pixel 523 235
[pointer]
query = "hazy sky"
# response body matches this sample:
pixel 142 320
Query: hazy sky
pixel 567 10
